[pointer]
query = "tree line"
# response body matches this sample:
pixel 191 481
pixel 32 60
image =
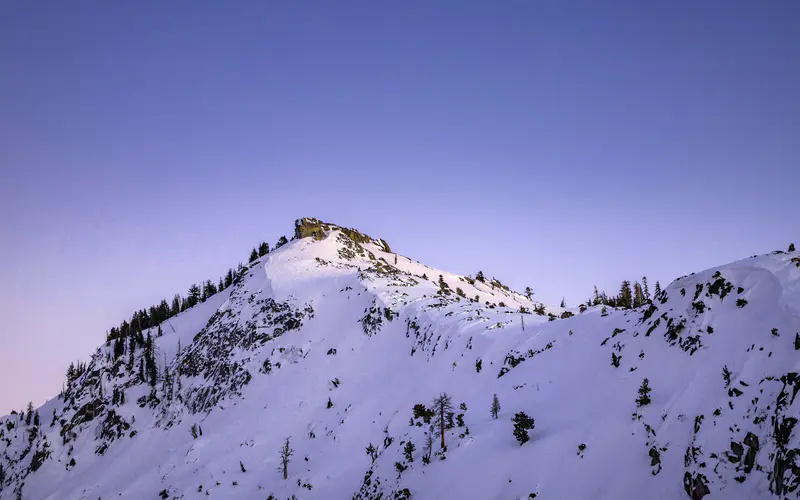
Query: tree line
pixel 629 296
pixel 156 314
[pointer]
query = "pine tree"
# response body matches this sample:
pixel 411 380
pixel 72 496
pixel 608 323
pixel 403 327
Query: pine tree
pixel 646 289
pixel 263 249
pixel 480 277
pixel 658 289
pixel 791 247
pixel 522 424
pixel 372 452
pixel 36 419
pixel 29 413
pixel 563 302
pixel 638 295
pixel 220 285
pixel 442 405
pixel 193 297
pixel 495 408
pixel 253 256
pixel 644 394
pixel 285 453
pixel 444 288
pixel 528 293
pixel 408 451
pixel 281 241
pixel 229 278
pixel 176 305
pixel 625 297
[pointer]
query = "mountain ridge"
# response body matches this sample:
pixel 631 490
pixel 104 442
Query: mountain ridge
pixel 333 340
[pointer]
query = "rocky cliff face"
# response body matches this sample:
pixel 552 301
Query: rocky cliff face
pixel 340 345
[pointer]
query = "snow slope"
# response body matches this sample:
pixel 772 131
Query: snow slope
pixel 337 316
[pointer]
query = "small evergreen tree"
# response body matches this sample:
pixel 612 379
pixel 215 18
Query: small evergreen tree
pixel 563 302
pixel 253 256
pixel 29 413
pixel 791 247
pixel 281 241
pixel 644 394
pixel 528 293
pixel 480 277
pixel 522 424
pixel 495 408
pixel 408 451
pixel 263 249
pixel 372 452
pixel 646 290
pixel 658 289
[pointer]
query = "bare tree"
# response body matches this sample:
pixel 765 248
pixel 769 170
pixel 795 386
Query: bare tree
pixel 442 405
pixel 427 446
pixel 285 453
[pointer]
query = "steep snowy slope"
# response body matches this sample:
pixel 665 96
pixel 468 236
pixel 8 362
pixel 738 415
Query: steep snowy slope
pixel 333 339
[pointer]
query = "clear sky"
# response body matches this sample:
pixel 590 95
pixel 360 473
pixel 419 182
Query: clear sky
pixel 147 145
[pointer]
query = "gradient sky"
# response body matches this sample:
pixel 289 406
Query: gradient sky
pixel 147 145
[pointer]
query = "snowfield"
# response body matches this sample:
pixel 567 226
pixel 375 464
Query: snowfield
pixel 332 339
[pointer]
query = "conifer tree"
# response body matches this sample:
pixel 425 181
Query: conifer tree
pixel 638 295
pixel 480 277
pixel 644 393
pixel 29 413
pixel 281 241
pixel 528 293
pixel 263 249
pixel 408 451
pixel 229 278
pixel 176 304
pixel 220 285
pixel 625 299
pixel 372 452
pixel 563 302
pixel 131 349
pixel 253 255
pixel 495 408
pixel 658 289
pixel 522 423
pixel 193 297
pixel 646 289
pixel 442 405
pixel 791 247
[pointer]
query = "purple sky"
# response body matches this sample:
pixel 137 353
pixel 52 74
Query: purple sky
pixel 145 146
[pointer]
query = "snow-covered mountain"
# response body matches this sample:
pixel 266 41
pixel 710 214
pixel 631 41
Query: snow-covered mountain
pixel 341 345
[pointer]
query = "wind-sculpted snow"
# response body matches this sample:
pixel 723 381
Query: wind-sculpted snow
pixel 340 345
